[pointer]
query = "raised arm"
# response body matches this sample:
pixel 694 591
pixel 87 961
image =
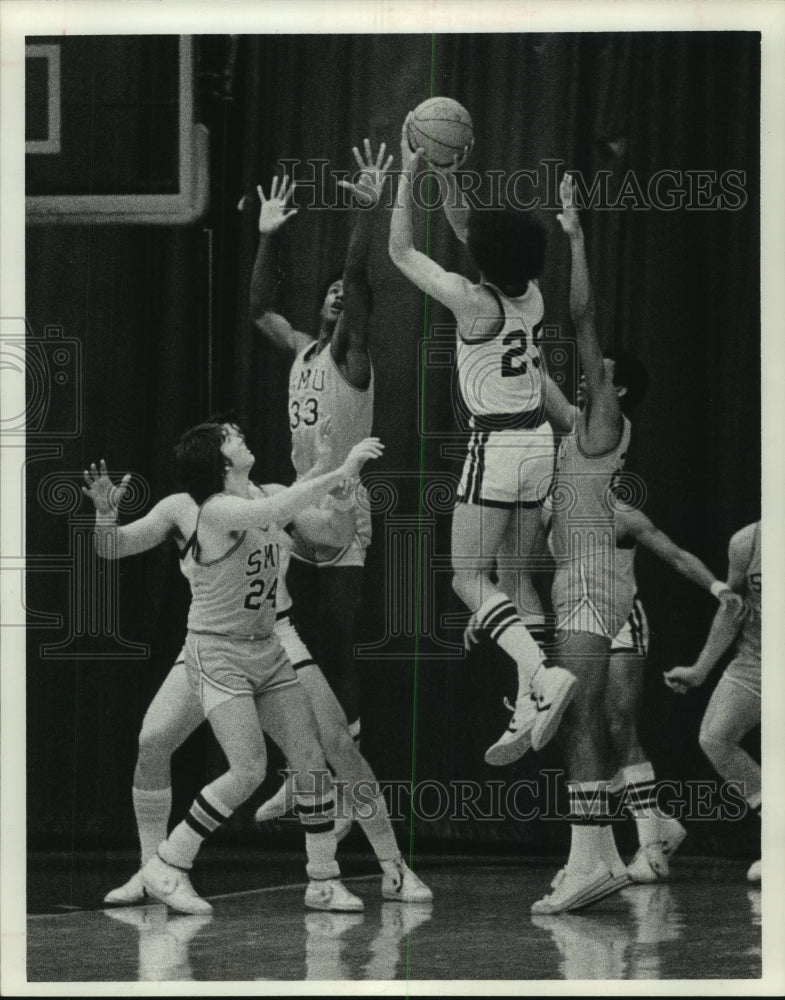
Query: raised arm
pixel 349 342
pixel 113 542
pixel 603 412
pixel 634 522
pixel 455 204
pixel 232 513
pixel 273 213
pixel 724 627
pixel 452 290
pixel 559 412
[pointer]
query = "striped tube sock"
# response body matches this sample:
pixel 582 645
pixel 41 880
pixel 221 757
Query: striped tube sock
pixel 589 819
pixel 498 619
pixel 151 808
pixel 320 843
pixel 206 814
pixel 639 798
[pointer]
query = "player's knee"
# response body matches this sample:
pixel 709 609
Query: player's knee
pixel 155 743
pixel 337 743
pixel 249 772
pixel 712 743
pixel 466 581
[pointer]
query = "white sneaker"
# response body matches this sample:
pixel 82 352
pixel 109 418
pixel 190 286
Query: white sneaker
pixel 172 886
pixel 516 740
pixel 573 891
pixel 753 874
pixel 131 892
pixel 404 886
pixel 553 689
pixel 651 861
pixel 331 894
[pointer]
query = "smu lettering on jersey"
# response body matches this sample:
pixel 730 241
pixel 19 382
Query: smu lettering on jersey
pixel 236 593
pixel 317 389
pixel 748 643
pixel 501 377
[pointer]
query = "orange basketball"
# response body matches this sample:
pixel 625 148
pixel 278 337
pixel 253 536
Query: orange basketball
pixel 442 127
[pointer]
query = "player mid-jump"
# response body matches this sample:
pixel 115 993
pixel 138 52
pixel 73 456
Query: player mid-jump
pixel 508 468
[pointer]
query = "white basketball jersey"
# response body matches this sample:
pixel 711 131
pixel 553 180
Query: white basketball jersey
pixel 501 375
pixel 583 518
pixel 318 389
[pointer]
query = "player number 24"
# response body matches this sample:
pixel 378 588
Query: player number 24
pixel 308 414
pixel 255 595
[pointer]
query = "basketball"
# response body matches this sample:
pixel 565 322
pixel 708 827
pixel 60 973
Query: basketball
pixel 442 127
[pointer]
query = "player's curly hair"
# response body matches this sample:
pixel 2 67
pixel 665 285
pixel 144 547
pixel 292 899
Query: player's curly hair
pixel 632 374
pixel 508 246
pixel 198 460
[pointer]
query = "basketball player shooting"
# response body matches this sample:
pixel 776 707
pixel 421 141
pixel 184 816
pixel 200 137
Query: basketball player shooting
pixel 508 467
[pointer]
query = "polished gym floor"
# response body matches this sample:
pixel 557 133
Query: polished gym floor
pixel 704 924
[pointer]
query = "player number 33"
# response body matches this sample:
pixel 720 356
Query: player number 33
pixel 306 414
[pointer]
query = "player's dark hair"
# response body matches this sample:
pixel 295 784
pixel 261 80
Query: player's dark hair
pixel 198 460
pixel 630 373
pixel 508 246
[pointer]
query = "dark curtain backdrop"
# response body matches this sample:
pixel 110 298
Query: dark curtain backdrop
pixel 678 288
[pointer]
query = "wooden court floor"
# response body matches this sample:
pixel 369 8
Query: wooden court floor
pixel 704 924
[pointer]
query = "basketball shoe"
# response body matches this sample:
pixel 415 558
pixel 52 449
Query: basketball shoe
pixel 401 884
pixel 516 739
pixel 331 894
pixel 651 861
pixel 572 890
pixel 172 886
pixel 132 891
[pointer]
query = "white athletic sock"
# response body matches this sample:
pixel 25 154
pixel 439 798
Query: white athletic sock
pixel 320 848
pixel 585 848
pixel 638 791
pixel 499 620
pixel 316 812
pixel 206 814
pixel 588 808
pixel 151 808
pixel 609 850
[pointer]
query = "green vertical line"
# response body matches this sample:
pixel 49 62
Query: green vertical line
pixel 418 555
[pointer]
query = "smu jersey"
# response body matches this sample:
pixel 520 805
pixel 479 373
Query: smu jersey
pixel 748 643
pixel 236 593
pixel 582 518
pixel 318 389
pixel 501 375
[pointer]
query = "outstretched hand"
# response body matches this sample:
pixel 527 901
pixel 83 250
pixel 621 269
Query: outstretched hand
pixel 368 187
pixel 568 217
pixel 323 447
pixel 99 488
pixel 361 453
pixel 274 210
